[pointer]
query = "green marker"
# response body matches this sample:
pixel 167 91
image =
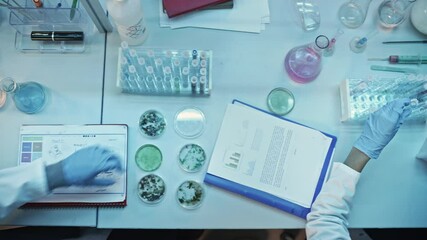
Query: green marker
pixel 73 9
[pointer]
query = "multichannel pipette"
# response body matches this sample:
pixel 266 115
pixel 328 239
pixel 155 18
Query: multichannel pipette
pixel 402 59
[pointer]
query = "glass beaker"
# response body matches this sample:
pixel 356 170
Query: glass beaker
pixel 304 63
pixel 308 13
pixel 393 12
pixel 353 13
pixel 29 97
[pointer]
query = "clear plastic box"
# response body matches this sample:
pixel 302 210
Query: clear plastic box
pixel 54 15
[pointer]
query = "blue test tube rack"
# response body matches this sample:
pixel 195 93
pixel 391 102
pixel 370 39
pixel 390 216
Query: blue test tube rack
pixel 156 71
pixel 361 97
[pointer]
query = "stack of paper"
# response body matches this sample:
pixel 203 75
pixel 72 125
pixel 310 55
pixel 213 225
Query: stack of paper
pixel 245 16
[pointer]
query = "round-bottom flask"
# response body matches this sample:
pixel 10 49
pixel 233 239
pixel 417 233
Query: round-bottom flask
pixel 29 97
pixel 304 63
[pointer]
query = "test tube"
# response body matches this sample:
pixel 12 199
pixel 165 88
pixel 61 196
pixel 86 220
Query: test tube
pixel 150 57
pixel 159 66
pixel 176 84
pixel 149 80
pixel 176 67
pixel 203 63
pixel 202 84
pixel 194 66
pixel 167 81
pixel 185 78
pixel 159 83
pixel 142 71
pixel 193 81
pixel 134 79
pixel 203 71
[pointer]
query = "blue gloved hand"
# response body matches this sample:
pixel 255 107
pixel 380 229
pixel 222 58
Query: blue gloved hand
pixel 81 167
pixel 381 127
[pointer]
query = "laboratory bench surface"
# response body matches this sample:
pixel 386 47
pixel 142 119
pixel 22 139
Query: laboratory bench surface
pixel 392 191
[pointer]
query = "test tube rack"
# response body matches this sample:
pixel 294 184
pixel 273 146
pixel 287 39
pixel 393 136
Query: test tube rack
pixel 155 71
pixel 361 97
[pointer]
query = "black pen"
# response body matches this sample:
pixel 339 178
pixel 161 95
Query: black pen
pixel 414 41
pixel 55 36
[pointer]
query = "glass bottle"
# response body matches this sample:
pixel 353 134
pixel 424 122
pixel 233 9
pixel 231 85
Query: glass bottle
pixel 391 13
pixel 304 63
pixel 128 16
pixel 29 97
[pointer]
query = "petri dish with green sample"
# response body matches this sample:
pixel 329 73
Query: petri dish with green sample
pixel 191 157
pixel 190 194
pixel 152 123
pixel 148 157
pixel 280 101
pixel 151 189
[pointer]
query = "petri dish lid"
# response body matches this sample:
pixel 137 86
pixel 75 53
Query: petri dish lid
pixel 189 122
pixel 151 189
pixel 152 123
pixel 191 157
pixel 148 157
pixel 280 101
pixel 2 98
pixel 190 194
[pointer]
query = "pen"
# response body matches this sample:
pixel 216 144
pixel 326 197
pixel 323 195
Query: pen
pixel 414 41
pixel 56 36
pixel 73 9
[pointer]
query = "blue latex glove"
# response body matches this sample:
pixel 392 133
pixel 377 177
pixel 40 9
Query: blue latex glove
pixel 81 167
pixel 381 127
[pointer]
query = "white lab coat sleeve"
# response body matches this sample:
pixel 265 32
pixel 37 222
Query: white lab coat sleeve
pixel 328 216
pixel 22 184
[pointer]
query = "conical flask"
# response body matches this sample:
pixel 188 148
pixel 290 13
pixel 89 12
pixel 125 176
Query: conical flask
pixel 304 63
pixel 29 97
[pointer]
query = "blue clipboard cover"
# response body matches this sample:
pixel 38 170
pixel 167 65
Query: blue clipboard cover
pixel 270 159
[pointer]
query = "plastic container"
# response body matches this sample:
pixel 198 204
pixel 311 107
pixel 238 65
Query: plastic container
pixel 53 16
pixel 129 19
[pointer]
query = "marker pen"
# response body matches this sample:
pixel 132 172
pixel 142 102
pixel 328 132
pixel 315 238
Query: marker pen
pixel 56 36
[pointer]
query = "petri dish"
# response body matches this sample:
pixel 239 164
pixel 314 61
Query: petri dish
pixel 151 189
pixel 280 101
pixel 189 122
pixel 2 98
pixel 191 157
pixel 190 194
pixel 148 157
pixel 152 123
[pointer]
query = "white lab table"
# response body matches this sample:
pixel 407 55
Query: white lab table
pixel 393 189
pixel 75 85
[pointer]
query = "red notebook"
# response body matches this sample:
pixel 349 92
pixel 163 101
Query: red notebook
pixel 52 143
pixel 175 8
